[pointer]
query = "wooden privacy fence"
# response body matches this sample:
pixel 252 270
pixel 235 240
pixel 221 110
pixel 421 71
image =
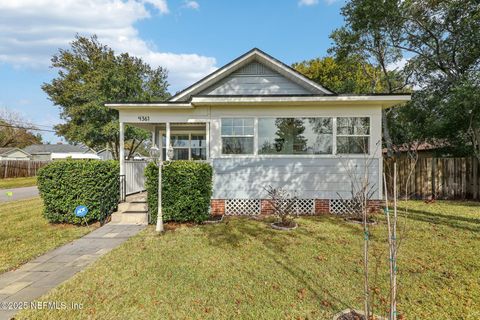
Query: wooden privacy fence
pixel 442 178
pixel 20 168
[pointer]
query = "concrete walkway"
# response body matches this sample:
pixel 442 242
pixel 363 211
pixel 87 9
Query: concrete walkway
pixel 18 193
pixel 38 276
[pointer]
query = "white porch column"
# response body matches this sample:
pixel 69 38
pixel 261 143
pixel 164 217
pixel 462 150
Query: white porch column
pixel 122 148
pixel 122 158
pixel 167 140
pixel 207 140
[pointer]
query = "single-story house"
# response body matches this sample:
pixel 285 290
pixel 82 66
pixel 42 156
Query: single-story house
pixel 260 123
pixel 58 151
pixel 13 153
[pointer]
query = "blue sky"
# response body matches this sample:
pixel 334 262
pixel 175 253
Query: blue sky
pixel 189 38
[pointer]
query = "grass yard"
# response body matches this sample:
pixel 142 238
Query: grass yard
pixel 243 269
pixel 26 234
pixel 10 183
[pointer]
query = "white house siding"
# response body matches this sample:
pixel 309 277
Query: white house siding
pixel 312 176
pixel 15 155
pixel 255 79
pixel 307 178
pixel 41 157
pixel 244 176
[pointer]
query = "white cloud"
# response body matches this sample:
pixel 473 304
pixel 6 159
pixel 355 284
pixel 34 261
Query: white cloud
pixel 329 2
pixel 307 2
pixel 33 30
pixel 191 5
pixel 397 65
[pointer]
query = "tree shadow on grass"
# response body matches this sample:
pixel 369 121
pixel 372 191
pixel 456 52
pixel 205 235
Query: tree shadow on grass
pixel 233 233
pixel 461 203
pixel 453 221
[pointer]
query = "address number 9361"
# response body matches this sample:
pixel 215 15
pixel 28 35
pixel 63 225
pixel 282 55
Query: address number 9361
pixel 143 118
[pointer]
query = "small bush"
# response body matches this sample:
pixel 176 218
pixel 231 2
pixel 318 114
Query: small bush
pixel 64 185
pixel 186 191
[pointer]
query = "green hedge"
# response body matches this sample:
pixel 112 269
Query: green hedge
pixel 64 185
pixel 186 191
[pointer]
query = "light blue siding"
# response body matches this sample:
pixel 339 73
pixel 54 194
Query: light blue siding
pixel 321 178
pixel 255 79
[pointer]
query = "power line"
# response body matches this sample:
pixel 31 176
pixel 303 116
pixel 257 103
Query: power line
pixel 21 123
pixel 25 128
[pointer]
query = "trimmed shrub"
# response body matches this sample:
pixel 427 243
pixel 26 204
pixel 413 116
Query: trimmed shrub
pixel 186 191
pixel 64 185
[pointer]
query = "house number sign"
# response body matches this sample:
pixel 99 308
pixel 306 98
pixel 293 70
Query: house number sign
pixel 144 118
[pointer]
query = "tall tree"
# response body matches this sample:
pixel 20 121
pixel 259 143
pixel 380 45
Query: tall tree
pixel 15 131
pixel 346 75
pixel 90 74
pixel 440 42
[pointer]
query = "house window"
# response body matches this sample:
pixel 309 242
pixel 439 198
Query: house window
pixel 237 135
pixel 295 135
pixel 353 135
pixel 186 147
pixel 198 149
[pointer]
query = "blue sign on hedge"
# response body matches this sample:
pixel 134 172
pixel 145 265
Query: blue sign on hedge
pixel 81 211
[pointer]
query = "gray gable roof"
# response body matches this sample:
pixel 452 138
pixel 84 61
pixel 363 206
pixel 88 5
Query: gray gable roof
pixel 60 148
pixel 296 82
pixel 255 78
pixel 8 150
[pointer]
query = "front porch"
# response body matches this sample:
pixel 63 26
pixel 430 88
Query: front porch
pixel 189 141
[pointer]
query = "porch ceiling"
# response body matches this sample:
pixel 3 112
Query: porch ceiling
pixel 174 126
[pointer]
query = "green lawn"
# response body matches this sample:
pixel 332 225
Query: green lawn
pixel 10 183
pixel 243 269
pixel 26 234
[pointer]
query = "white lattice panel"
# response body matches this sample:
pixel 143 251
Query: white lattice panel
pixel 342 206
pixel 303 206
pixel 242 206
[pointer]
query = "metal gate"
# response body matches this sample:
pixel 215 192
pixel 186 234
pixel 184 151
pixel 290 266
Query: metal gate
pixel 134 176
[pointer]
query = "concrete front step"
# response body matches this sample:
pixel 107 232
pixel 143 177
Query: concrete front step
pixel 129 217
pixel 132 211
pixel 132 206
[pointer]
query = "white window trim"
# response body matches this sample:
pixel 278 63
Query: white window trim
pixel 355 135
pixel 295 117
pixel 254 136
pixel 184 132
pixel 333 155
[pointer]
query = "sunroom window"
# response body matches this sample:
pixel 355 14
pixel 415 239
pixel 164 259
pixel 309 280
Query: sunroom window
pixel 186 146
pixel 237 135
pixel 353 135
pixel 295 135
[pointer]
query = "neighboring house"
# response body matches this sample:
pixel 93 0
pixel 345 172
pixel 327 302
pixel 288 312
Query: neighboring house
pixel 259 123
pixel 420 150
pixel 47 152
pixel 13 154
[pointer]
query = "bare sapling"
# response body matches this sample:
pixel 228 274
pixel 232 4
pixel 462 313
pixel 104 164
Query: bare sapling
pixel 357 209
pixel 282 204
pixel 392 242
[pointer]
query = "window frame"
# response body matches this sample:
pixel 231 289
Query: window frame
pixel 254 136
pixel 163 133
pixel 300 155
pixel 368 136
pixel 333 155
